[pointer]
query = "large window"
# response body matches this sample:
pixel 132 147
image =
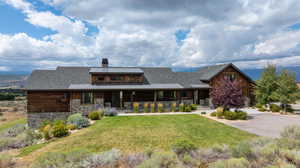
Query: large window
pixel 87 98
pixel 231 76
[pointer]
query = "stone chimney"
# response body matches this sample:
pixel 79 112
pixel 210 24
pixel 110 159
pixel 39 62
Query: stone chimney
pixel 104 62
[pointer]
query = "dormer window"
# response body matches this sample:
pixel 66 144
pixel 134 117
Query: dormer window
pixel 231 76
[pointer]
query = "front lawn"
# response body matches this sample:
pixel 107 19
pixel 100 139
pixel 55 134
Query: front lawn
pixel 136 133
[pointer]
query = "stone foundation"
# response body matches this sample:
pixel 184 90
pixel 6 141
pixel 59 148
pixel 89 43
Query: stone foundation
pixel 35 119
pixel 85 109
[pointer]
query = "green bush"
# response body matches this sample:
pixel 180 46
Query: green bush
pixel 213 114
pixel 152 108
pixel 194 106
pixel 187 108
pixel 95 115
pixel 160 107
pixel 241 115
pixel 292 132
pixel 7 96
pixel 146 108
pixel 243 149
pixel 181 107
pixel 262 109
pixel 230 115
pixel 108 159
pixel 183 146
pixel 71 127
pixel 220 114
pixel 203 113
pixel 275 108
pixel 136 107
pixel 258 106
pixel 59 129
pixel 46 131
pixel 173 107
pixel 78 120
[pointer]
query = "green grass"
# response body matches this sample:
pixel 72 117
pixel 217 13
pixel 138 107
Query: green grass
pixel 29 149
pixel 11 124
pixel 135 133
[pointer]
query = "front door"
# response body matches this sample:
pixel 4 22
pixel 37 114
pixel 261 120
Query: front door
pixel 115 99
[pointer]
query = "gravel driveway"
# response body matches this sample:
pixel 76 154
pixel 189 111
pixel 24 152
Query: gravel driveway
pixel 266 124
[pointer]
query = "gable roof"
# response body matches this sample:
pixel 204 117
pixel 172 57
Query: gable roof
pixel 63 77
pixel 209 72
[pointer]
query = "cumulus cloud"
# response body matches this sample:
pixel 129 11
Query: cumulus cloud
pixel 141 32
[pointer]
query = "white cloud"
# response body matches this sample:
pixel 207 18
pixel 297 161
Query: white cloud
pixel 141 32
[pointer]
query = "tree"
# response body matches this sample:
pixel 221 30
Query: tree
pixel 227 94
pixel 287 91
pixel 266 85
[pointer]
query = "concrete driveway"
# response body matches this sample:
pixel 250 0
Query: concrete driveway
pixel 266 124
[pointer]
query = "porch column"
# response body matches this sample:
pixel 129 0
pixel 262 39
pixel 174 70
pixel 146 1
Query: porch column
pixel 196 96
pixel 121 99
pixel 155 95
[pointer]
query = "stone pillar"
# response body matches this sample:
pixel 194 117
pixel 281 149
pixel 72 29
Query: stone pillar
pixel 155 96
pixel 195 96
pixel 121 99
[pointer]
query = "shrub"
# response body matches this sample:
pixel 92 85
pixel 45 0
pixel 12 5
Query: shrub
pixel 193 106
pixel 262 109
pixel 203 113
pixel 241 115
pixel 146 108
pixel 183 146
pixel 220 110
pixel 43 124
pixel 47 132
pixel 78 120
pixel 95 115
pixel 136 107
pixel 230 115
pixel 289 109
pixel 187 108
pixel 231 163
pixel 163 160
pixel 213 114
pixel 59 129
pixel 243 149
pixel 181 107
pixel 105 159
pixel 220 114
pixel 71 127
pixel 173 107
pixel 258 106
pixel 275 108
pixel 58 160
pixel 152 107
pixel 160 107
pixel 110 112
pixel 292 132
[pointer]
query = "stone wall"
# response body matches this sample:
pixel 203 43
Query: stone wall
pixel 85 109
pixel 35 119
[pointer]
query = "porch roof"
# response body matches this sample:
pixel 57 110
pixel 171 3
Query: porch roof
pixel 125 87
pixel 200 86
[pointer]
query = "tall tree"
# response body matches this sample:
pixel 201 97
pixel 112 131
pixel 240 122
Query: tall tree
pixel 266 85
pixel 228 94
pixel 287 91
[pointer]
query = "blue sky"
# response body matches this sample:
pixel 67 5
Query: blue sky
pixel 44 34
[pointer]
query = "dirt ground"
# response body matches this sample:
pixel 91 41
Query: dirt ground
pixel 12 110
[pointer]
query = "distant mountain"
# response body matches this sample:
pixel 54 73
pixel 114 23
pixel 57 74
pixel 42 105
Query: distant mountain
pixel 12 80
pixel 253 73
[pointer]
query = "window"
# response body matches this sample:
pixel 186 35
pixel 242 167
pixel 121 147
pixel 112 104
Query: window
pixel 231 76
pixel 87 98
pixel 116 78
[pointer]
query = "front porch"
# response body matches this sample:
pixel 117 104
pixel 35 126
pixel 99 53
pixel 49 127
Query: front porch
pixel 87 101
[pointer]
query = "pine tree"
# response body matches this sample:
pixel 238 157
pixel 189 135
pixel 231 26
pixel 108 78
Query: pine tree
pixel 228 94
pixel 266 85
pixel 287 91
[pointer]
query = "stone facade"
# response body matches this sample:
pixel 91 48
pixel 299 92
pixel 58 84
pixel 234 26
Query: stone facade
pixel 85 109
pixel 35 119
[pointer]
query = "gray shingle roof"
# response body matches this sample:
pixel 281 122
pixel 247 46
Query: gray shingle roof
pixel 124 87
pixel 64 77
pixel 117 70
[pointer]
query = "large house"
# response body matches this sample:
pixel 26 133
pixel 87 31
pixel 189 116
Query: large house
pixel 54 94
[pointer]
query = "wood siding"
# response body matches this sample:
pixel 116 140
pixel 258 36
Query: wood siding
pixel 38 101
pixel 99 79
pixel 244 83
